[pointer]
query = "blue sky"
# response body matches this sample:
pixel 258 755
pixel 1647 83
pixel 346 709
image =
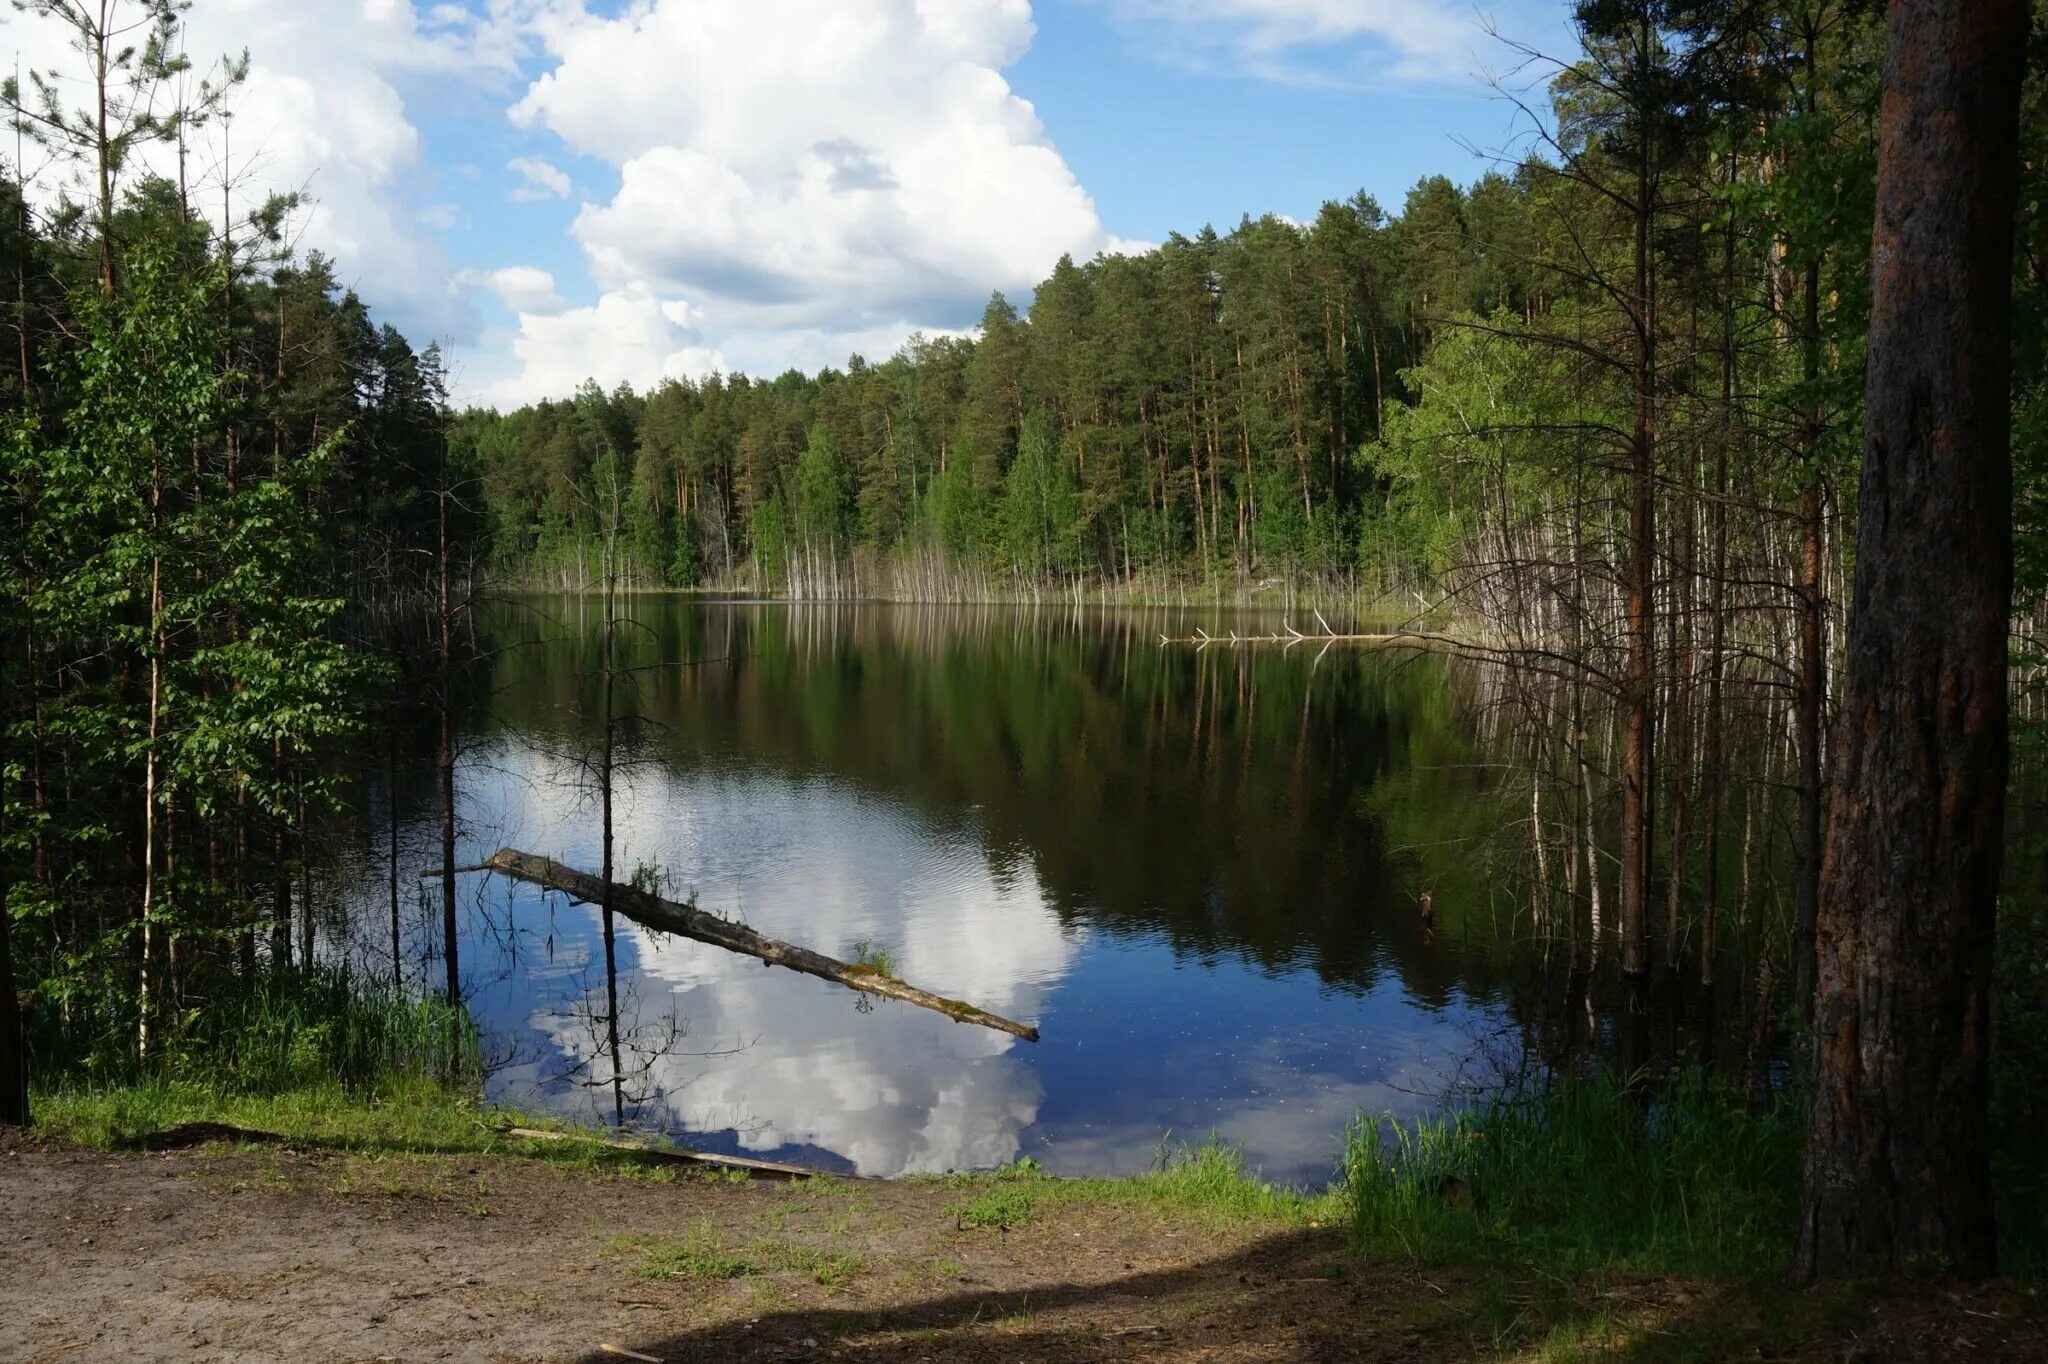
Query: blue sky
pixel 628 189
pixel 1167 140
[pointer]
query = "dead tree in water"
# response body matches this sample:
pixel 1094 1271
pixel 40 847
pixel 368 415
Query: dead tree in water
pixel 613 513
pixel 686 920
pixel 445 764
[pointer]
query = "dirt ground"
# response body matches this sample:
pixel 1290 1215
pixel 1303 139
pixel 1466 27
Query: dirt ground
pixel 305 1255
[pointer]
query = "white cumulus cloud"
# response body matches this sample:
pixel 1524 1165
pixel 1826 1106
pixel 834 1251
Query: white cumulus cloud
pixel 521 288
pixel 321 112
pixel 542 181
pixel 1322 41
pixel 838 173
pixel 628 336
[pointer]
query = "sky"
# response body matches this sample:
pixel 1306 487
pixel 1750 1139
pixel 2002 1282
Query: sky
pixel 627 190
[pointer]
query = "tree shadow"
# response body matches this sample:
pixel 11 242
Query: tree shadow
pixel 1303 1296
pixel 1298 1295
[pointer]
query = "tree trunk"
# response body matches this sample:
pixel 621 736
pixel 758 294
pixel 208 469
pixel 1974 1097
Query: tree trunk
pixel 1806 831
pixel 1897 1167
pixel 611 957
pixel 391 830
pixel 13 1049
pixel 1637 764
pixel 1812 678
pixel 449 944
pixel 686 920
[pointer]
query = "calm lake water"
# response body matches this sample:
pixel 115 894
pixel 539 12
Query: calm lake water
pixel 1196 871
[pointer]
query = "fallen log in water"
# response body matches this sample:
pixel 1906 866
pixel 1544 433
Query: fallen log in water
pixel 688 921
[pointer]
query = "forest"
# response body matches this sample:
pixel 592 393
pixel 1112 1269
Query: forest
pixel 1599 420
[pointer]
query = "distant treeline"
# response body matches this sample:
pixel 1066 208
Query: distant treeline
pixel 1206 409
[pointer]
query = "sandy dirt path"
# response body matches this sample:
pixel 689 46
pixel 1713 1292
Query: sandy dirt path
pixel 297 1255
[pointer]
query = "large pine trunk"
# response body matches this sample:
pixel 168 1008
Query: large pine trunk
pixel 1897 1171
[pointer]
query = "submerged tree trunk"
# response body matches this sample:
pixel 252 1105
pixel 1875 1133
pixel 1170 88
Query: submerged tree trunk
pixel 611 955
pixel 449 945
pixel 391 833
pixel 1897 1165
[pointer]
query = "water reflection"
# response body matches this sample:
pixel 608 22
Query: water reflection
pixel 1179 865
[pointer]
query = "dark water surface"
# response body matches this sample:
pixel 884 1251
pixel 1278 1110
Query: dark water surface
pixel 1197 872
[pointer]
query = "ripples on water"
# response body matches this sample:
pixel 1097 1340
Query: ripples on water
pixel 1196 873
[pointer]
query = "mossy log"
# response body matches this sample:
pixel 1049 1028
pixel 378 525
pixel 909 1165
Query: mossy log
pixel 688 921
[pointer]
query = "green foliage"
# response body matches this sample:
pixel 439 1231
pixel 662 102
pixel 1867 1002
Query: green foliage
pixel 195 588
pixel 875 957
pixel 686 564
pixel 271 1034
pixel 1584 1174
pixel 770 535
pixel 1478 443
pixel 1038 506
pixel 823 509
pixel 318 1054
pixel 959 513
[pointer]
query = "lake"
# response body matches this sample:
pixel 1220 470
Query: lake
pixel 1196 870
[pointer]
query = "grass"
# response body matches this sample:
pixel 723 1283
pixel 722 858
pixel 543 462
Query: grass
pixel 875 957
pixel 1002 1205
pixel 318 1057
pixel 1584 1175
pixel 703 1254
pixel 273 1033
pixel 1581 1176
pixel 1208 1184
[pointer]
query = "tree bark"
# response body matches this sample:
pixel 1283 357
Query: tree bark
pixel 1812 683
pixel 450 947
pixel 1897 1168
pixel 1640 682
pixel 14 1111
pixel 688 921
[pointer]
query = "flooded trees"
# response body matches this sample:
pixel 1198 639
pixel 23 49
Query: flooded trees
pixel 1897 1165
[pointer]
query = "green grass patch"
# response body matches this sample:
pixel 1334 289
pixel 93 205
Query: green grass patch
pixel 702 1253
pixel 1002 1204
pixel 413 1115
pixel 268 1034
pixel 321 1058
pixel 1208 1184
pixel 1584 1175
pixel 316 1056
pixel 827 1268
pixel 874 957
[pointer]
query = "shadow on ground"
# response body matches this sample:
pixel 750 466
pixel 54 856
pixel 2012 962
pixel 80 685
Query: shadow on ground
pixel 1301 1296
